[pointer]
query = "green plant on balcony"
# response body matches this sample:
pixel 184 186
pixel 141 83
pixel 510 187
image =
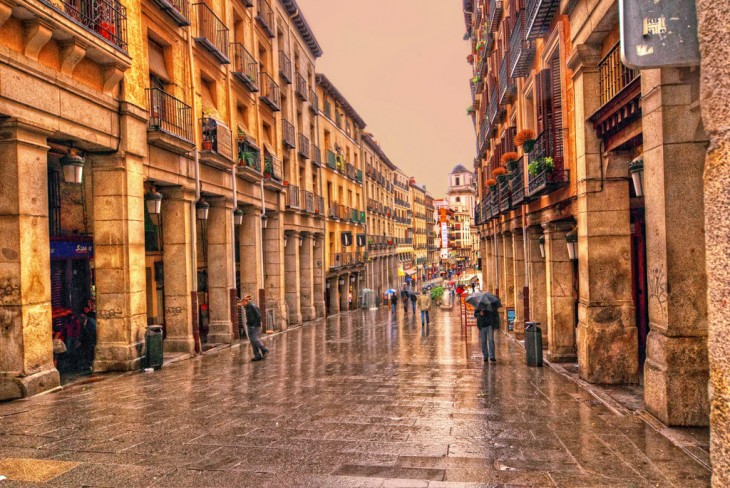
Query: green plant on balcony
pixel 470 110
pixel 540 165
pixel 476 80
pixel 246 156
pixel 340 163
pixel 268 167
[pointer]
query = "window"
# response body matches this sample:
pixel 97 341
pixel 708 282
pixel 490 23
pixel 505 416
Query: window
pixel 457 181
pixel 157 66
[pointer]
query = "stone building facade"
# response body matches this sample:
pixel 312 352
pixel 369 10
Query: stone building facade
pixel 382 267
pixel 461 195
pixel 579 227
pixel 418 206
pixel 345 240
pixel 403 224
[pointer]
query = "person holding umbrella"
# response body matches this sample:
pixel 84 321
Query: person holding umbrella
pixel 393 300
pixel 487 315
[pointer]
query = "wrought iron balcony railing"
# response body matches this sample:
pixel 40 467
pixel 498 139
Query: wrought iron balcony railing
pixel 517 183
pixel 249 156
pixel 319 205
pixel 288 134
pixel 521 49
pixel 495 109
pixel 507 87
pixel 105 18
pixel 540 14
pixel 504 195
pixel 265 17
pixel 308 201
pixel 331 160
pixel 614 75
pixel 496 9
pixel 212 33
pixel 270 92
pixel 333 210
pixel 178 10
pixel 304 150
pixel 546 177
pixel 313 102
pixel 170 115
pixel 301 88
pixel 316 155
pixel 245 67
pixel 285 67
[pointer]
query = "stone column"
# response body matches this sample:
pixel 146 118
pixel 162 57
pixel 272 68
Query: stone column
pixel 250 249
pixel 26 342
pixel 538 284
pixel 507 274
pixel 500 284
pixel 334 288
pixel 560 293
pixel 344 289
pixel 306 278
pixel 291 277
pixel 274 270
pixel 518 253
pixel 607 335
pixel 220 281
pixel 319 281
pixel 178 269
pixel 715 92
pixel 676 368
pixel 119 262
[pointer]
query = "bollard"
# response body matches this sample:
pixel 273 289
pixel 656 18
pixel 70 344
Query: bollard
pixel 533 343
pixel 153 344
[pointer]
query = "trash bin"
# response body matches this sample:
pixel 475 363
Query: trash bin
pixel 153 343
pixel 533 343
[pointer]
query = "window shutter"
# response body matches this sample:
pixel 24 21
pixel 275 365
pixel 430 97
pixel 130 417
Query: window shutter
pixel 557 109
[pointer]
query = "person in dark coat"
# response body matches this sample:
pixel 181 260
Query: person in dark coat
pixel 487 323
pixel 87 342
pixel 404 297
pixel 253 323
pixel 412 296
pixel 393 301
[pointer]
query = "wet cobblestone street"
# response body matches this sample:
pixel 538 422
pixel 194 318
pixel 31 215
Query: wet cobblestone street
pixel 359 400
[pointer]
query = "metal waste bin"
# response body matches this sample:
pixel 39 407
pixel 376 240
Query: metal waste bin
pixel 533 343
pixel 153 343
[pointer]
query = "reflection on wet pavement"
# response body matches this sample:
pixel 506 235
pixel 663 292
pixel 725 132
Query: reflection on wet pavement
pixel 359 400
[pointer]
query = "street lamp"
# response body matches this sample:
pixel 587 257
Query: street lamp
pixel 73 167
pixel 286 239
pixel 237 216
pixel 264 221
pixel 352 278
pixel 341 281
pixel 201 209
pixel 571 239
pixel 153 201
pixel 636 170
pixel 301 241
pixel 541 241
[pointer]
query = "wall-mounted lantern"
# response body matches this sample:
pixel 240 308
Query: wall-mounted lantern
pixel 636 170
pixel 571 240
pixel 201 209
pixel 73 167
pixel 238 217
pixel 541 241
pixel 264 221
pixel 153 201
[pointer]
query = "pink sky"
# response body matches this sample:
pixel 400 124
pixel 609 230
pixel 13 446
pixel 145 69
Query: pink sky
pixel 402 65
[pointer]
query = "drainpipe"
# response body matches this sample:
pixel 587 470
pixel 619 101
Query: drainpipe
pixel 526 249
pixel 261 223
pixel 233 227
pixel 193 215
pixel 496 263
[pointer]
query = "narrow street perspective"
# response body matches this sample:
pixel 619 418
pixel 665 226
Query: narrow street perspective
pixel 364 399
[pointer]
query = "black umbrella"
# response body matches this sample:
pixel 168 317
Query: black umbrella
pixel 484 301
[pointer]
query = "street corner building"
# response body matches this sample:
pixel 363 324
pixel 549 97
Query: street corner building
pixel 591 205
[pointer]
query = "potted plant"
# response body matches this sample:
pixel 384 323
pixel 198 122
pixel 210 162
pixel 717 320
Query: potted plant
pixel 526 139
pixel 470 59
pixel 475 81
pixel 268 167
pixel 509 159
pixel 499 173
pixel 539 165
pixel 491 182
pixel 470 110
pixel 246 157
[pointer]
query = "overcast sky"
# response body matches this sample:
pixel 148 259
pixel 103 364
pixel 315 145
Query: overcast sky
pixel 402 65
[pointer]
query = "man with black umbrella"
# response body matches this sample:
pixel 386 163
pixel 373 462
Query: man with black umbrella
pixel 487 323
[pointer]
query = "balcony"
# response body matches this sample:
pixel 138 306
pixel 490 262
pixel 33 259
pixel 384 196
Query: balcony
pixel 292 196
pixel 496 9
pixel 313 102
pixel 507 87
pixel 247 3
pixel 494 203
pixel 358 176
pixel 304 150
pixel 217 143
pixel 270 93
pixel 249 159
pixel 212 33
pixel 285 67
pixel 504 195
pixel 539 17
pixel 344 213
pixel 265 18
pixel 517 183
pixel 170 123
pixel 301 88
pixel 245 67
pixel 521 49
pixel 272 167
pixel 308 202
pixel 177 10
pixel 350 171
pixel 549 144
pixel 333 211
pixel 107 19
pixel 316 155
pixel 496 111
pixel 319 205
pixel 354 215
pixel 331 160
pixel 288 134
pixel 620 89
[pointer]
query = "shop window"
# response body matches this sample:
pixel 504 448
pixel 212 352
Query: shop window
pixel 54 203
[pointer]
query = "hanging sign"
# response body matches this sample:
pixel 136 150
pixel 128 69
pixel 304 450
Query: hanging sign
pixel 658 34
pixel 346 238
pixel 72 249
pixel 361 240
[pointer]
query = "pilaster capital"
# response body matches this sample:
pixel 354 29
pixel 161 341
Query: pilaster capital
pixel 584 58
pixel 24 131
pixel 220 202
pixel 177 192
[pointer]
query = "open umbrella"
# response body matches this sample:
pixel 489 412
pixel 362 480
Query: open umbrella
pixel 484 301
pixel 391 291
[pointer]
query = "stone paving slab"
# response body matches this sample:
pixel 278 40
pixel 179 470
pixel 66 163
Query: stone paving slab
pixel 361 400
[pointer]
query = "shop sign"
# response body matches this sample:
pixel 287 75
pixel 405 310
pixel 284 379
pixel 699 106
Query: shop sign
pixel 71 249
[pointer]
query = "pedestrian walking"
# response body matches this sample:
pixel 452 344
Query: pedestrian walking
pixel 487 323
pixel 473 286
pixel 424 304
pixel 253 323
pixel 413 298
pixel 393 302
pixel 404 297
